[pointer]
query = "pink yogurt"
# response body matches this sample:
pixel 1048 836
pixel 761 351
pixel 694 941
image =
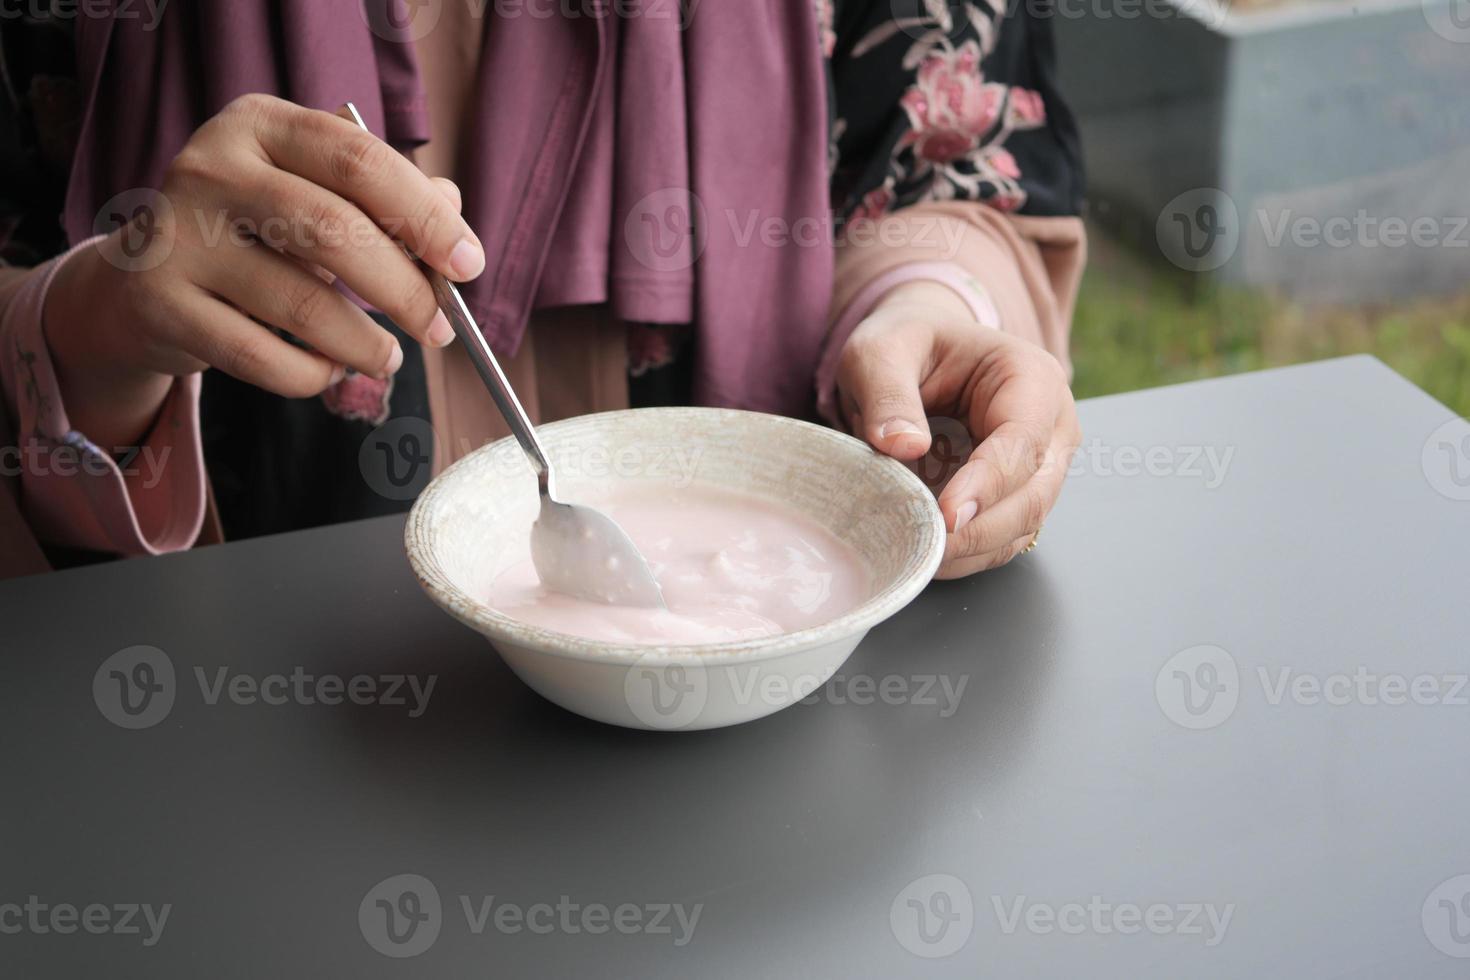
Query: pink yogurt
pixel 731 566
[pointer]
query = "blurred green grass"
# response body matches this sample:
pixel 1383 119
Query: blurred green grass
pixel 1140 326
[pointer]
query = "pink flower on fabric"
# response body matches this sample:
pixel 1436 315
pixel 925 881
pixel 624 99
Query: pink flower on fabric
pixel 874 204
pixel 1007 200
pixel 950 106
pixel 650 346
pixel 1027 107
pixel 1002 161
pixel 360 398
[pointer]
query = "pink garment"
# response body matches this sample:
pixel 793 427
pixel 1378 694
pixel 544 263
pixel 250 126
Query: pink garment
pixel 594 138
pixel 950 274
pixel 1028 270
pixel 73 493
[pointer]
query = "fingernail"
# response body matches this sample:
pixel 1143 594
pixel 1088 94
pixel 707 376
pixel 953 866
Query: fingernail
pixel 964 514
pixel 898 427
pixel 467 260
pixel 395 361
pixel 338 373
pixel 440 332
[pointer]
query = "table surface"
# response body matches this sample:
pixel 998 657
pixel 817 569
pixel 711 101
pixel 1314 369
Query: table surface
pixel 1215 726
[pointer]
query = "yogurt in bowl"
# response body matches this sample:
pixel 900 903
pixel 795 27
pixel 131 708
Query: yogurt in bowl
pixel 778 544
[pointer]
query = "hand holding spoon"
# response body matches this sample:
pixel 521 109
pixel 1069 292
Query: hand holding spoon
pixel 577 550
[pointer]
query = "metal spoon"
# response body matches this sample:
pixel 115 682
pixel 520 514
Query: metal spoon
pixel 577 550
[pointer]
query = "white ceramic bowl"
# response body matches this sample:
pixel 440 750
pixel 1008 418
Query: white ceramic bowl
pixel 470 521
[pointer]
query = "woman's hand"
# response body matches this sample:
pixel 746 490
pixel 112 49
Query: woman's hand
pixel 921 353
pixel 266 205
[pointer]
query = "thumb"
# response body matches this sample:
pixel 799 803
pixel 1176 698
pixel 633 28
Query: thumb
pixel 879 376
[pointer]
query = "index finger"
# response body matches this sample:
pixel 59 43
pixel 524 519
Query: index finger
pixel 334 153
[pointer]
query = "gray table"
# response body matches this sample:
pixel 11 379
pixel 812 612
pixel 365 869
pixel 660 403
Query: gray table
pixel 1121 763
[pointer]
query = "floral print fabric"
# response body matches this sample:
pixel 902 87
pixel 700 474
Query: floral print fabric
pixel 936 100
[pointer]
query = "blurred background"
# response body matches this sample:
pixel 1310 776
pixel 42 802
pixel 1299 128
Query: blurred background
pixel 1271 181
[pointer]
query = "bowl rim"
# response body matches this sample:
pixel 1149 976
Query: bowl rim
pixel 499 627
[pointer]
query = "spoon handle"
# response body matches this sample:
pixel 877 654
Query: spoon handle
pixel 463 322
pixel 453 305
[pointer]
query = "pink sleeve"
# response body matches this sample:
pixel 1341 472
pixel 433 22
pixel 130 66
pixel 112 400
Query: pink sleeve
pixel 1018 274
pixel 131 500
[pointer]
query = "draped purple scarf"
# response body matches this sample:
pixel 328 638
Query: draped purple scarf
pixel 591 135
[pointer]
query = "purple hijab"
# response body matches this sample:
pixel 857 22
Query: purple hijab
pixel 592 132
